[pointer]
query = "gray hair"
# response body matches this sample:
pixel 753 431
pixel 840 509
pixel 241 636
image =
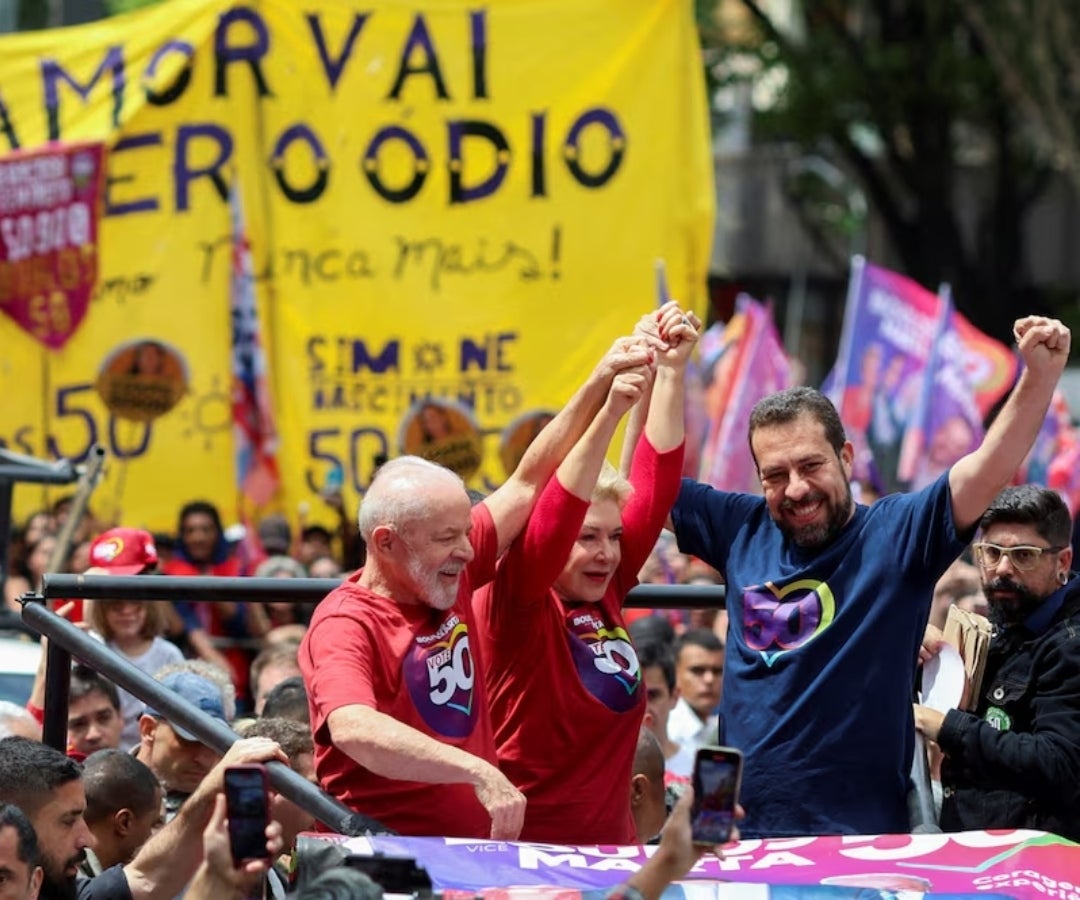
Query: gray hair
pixel 398 493
pixel 1030 504
pixel 273 566
pixel 10 712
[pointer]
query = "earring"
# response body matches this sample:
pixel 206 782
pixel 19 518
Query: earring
pixel 1063 577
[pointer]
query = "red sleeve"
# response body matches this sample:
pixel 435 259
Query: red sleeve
pixel 655 478
pixel 177 566
pixel 36 711
pixel 342 676
pixel 539 553
pixel 485 544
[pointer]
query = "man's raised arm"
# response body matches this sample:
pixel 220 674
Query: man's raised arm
pixel 981 475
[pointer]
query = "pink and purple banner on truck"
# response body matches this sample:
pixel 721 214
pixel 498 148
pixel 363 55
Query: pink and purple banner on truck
pixel 1021 864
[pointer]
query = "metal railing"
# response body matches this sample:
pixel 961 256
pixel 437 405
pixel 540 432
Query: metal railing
pixel 307 590
pixel 65 641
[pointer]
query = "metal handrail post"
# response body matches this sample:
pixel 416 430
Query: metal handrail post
pixel 58 692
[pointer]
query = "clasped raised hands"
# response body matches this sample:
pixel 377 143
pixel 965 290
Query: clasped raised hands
pixel 670 333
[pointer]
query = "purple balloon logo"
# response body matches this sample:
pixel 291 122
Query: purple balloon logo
pixel 776 620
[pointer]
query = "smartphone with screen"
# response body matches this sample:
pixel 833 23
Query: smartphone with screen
pixel 247 803
pixel 717 776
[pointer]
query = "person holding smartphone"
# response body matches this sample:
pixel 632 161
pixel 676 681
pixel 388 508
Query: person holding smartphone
pixel 223 875
pixel 564 680
pixel 678 853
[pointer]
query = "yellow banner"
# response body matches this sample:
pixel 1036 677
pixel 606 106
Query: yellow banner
pixel 443 199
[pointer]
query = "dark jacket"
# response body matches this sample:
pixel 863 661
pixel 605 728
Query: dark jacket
pixel 1015 762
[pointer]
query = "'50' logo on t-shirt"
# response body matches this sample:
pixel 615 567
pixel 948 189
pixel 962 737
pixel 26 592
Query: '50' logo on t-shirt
pixel 605 660
pixel 440 675
pixel 450 671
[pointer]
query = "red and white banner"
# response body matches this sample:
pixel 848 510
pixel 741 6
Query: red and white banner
pixel 49 208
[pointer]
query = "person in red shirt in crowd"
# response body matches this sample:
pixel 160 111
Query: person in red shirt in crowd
pixel 209 627
pixel 568 704
pixel 398 705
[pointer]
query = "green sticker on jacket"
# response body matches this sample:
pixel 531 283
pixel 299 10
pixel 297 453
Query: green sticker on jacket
pixel 998 718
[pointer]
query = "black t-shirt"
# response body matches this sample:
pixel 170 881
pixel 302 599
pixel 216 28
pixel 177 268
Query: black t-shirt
pixel 112 884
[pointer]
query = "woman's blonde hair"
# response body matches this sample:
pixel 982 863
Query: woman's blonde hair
pixel 611 485
pixel 153 625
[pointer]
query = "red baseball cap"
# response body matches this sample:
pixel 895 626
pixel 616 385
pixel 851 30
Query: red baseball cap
pixel 124 551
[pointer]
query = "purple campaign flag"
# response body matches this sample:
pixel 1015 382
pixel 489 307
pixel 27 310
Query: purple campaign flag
pixel 753 365
pixel 1054 460
pixel 947 425
pixel 889 327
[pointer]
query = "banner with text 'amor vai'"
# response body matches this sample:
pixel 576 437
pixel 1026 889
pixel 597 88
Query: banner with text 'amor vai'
pixel 451 209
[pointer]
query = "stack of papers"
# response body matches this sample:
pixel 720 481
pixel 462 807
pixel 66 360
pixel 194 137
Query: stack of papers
pixel 969 633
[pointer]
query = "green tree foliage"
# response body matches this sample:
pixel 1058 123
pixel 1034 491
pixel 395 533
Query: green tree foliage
pixel 1034 46
pixel 904 97
pixel 115 7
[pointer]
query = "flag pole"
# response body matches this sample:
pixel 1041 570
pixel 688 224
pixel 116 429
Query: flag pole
pixel 847 331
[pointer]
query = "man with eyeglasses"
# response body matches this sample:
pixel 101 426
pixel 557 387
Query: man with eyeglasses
pixel 1013 762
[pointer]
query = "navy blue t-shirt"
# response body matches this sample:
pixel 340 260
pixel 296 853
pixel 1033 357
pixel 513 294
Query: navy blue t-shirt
pixel 821 653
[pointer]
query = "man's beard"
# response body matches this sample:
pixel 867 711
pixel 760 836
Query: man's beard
pixel 57 885
pixel 432 591
pixel 1005 612
pixel 819 534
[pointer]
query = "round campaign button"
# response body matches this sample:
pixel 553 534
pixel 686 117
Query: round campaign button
pixel 142 380
pixel 444 432
pixel 517 436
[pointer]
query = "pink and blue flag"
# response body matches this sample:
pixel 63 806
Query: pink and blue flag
pixel 891 327
pixel 751 365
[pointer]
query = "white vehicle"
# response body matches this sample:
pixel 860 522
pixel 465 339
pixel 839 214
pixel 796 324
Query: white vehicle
pixel 18 664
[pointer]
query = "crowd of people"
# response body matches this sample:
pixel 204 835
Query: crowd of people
pixel 475 673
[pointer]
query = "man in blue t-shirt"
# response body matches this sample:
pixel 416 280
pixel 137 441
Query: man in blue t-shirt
pixel 828 600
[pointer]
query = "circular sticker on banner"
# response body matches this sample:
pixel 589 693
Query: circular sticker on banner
pixel 443 432
pixel 517 436
pixel 142 380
